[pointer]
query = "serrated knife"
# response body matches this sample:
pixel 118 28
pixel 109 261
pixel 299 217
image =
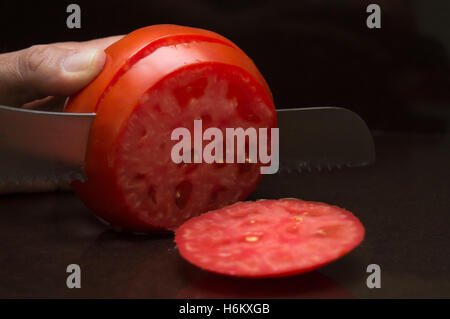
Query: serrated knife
pixel 46 150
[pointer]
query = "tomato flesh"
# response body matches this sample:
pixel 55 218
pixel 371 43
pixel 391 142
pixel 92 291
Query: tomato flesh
pixel 165 194
pixel 269 238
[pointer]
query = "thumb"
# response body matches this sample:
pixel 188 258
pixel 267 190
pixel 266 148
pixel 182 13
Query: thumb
pixel 45 70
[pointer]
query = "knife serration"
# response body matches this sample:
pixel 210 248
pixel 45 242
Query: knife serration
pixel 323 138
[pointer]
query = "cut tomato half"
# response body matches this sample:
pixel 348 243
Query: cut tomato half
pixel 158 79
pixel 269 238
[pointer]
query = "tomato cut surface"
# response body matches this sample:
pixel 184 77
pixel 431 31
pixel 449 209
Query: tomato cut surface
pixel 269 238
pixel 165 194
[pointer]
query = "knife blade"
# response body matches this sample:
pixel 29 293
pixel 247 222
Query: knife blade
pixel 49 148
pixel 323 138
pixel 42 148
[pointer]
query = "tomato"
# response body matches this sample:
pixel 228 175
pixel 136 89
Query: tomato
pixel 156 79
pixel 269 238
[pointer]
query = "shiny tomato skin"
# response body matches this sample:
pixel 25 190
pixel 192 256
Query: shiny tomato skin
pixel 131 48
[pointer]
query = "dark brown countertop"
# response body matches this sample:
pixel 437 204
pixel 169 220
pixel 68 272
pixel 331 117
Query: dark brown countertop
pixel 403 201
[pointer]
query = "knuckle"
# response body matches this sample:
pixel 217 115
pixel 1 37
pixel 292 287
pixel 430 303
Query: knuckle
pixel 34 57
pixel 38 57
pixel 42 62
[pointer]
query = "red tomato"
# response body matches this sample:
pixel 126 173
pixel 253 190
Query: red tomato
pixel 269 238
pixel 156 79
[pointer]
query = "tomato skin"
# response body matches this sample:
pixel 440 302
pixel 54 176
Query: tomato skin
pixel 121 52
pixel 100 192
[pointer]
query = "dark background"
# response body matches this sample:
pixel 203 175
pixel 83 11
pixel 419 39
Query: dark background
pixel 312 53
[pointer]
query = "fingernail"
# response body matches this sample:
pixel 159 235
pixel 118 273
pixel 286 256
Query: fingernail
pixel 80 61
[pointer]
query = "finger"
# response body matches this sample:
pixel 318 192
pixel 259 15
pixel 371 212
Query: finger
pixel 44 70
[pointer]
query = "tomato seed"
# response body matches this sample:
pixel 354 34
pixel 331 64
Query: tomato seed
pixel 252 238
pixel 182 194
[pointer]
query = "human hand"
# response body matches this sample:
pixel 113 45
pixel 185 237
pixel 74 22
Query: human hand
pixel 47 74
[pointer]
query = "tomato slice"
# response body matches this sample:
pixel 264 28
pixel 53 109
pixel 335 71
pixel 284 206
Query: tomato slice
pixel 269 238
